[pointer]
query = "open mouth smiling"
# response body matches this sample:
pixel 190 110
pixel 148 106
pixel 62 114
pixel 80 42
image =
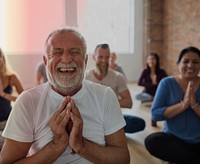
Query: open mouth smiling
pixel 67 70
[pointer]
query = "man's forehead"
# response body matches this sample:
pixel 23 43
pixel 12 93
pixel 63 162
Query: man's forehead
pixel 102 51
pixel 65 41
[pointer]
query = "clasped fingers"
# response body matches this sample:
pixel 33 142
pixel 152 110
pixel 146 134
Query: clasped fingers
pixel 75 139
pixel 58 123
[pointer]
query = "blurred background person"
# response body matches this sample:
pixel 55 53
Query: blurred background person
pixel 104 75
pixel 41 76
pixel 114 65
pixel 8 80
pixel 149 79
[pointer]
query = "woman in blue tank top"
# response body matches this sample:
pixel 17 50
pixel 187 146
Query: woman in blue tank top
pixel 8 80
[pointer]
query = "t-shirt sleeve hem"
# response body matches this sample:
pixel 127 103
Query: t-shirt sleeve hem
pixel 17 138
pixel 115 129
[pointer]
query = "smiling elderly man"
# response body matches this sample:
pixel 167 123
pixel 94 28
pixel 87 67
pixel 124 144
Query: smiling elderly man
pixel 68 119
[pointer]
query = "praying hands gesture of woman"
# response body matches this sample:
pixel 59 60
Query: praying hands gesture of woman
pixel 190 97
pixel 189 100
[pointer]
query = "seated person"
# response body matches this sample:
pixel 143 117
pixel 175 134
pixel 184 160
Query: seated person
pixel 8 80
pixel 68 119
pixel 150 78
pixel 41 76
pixel 114 65
pixel 102 74
pixel 177 102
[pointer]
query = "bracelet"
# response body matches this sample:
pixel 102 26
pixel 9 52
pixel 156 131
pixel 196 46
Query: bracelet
pixel 81 148
pixel 195 105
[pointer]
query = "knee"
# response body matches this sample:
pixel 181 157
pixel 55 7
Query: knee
pixel 143 124
pixel 134 124
pixel 135 121
pixel 148 142
pixel 152 142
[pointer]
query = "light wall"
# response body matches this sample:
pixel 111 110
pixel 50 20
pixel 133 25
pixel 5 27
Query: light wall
pixel 25 64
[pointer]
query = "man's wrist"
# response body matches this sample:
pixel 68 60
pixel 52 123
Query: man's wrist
pixel 80 148
pixel 59 148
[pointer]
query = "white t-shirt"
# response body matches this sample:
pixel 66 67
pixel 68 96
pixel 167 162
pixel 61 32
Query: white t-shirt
pixel 28 121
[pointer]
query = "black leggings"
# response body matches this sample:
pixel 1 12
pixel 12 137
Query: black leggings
pixel 172 149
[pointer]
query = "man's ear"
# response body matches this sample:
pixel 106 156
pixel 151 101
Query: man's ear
pixel 86 60
pixel 44 59
pixel 94 57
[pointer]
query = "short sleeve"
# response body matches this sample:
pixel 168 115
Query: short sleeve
pixel 19 126
pixel 121 83
pixel 113 118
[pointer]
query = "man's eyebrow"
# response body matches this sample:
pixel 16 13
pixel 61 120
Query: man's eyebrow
pixel 55 48
pixel 75 48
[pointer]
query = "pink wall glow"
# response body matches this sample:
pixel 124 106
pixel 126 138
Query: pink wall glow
pixel 28 22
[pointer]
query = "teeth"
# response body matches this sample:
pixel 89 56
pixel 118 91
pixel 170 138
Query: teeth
pixel 67 69
pixel 190 70
pixel 62 69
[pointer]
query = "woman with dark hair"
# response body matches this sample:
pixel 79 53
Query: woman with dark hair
pixel 177 102
pixel 150 78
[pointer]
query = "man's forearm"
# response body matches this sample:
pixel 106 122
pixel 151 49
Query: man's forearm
pixel 47 155
pixel 105 154
pixel 125 103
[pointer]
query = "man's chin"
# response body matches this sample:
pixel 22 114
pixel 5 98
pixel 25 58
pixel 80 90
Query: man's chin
pixel 103 71
pixel 66 85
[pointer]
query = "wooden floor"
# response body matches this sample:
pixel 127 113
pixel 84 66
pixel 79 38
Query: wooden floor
pixel 139 155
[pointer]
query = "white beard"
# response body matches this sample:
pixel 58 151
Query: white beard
pixel 66 84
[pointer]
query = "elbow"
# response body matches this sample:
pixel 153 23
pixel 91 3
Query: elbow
pixel 124 157
pixel 130 104
pixel 127 158
pixel 126 103
pixel 157 117
pixel 127 161
pixel 154 118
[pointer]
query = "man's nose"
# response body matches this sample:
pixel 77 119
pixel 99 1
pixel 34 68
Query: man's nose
pixel 66 57
pixel 103 60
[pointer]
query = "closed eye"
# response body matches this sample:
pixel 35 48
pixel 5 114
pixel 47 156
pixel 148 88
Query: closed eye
pixel 57 51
